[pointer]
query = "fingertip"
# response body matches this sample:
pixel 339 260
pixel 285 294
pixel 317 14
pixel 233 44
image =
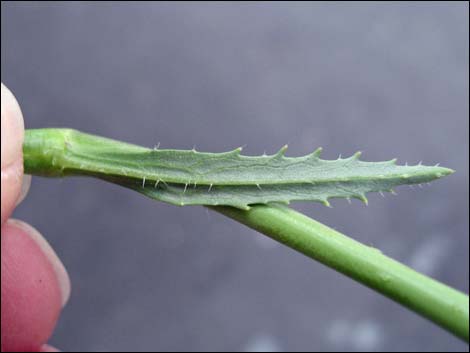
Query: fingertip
pixel 12 135
pixel 62 276
pixel 12 179
pixel 32 296
pixel 12 128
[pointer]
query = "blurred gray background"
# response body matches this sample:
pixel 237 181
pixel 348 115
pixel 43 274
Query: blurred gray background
pixel 388 79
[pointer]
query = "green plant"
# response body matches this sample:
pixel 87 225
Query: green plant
pixel 254 191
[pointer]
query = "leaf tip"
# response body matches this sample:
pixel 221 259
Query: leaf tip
pixel 444 171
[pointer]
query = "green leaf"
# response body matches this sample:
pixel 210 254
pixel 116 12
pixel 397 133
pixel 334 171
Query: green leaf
pixel 228 179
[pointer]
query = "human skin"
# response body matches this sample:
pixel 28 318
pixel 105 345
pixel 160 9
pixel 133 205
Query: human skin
pixel 34 283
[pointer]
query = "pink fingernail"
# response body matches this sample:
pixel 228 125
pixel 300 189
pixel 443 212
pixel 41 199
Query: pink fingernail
pixel 25 185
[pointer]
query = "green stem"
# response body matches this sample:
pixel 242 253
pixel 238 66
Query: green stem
pixel 445 306
pixel 62 152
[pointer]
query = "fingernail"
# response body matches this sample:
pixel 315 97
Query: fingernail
pixel 12 128
pixel 47 348
pixel 25 185
pixel 59 269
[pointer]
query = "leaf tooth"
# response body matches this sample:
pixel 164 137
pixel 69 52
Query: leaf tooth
pixel 356 155
pixel 326 203
pixel 235 152
pixel 392 161
pixel 281 201
pixel 316 154
pixel 361 197
pixel 241 205
pixel 281 152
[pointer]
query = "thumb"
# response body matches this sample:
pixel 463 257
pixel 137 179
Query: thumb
pixel 12 130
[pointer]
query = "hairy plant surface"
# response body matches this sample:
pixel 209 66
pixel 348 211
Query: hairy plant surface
pixel 249 190
pixel 226 179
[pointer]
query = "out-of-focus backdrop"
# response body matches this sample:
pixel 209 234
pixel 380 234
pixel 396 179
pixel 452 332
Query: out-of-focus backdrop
pixel 388 79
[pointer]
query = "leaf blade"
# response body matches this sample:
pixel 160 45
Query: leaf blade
pixel 229 178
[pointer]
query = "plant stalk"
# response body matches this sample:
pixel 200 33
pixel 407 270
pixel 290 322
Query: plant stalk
pixel 439 303
pixel 62 152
